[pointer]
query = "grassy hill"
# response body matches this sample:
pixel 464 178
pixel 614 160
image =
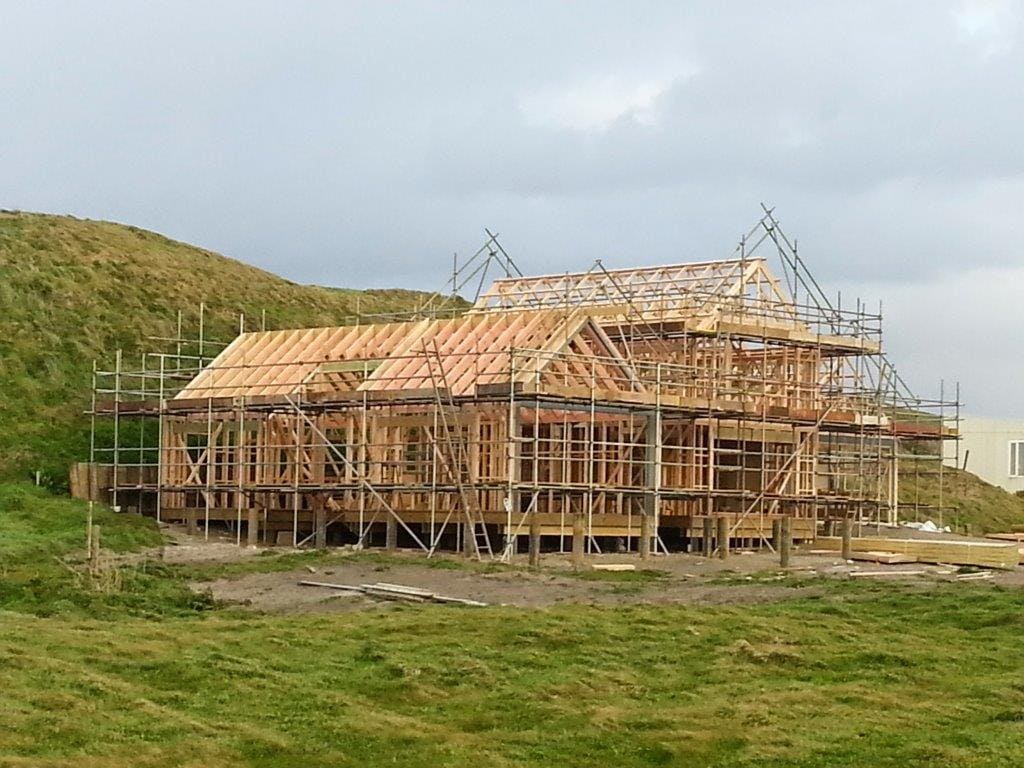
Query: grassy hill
pixel 73 290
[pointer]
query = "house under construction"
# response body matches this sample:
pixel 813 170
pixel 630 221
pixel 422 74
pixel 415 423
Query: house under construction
pixel 629 408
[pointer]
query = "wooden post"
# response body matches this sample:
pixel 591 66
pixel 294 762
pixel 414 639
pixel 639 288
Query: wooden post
pixel 320 524
pixel 391 534
pixel 252 527
pixel 94 551
pixel 578 535
pixel 645 536
pixel 534 540
pixel 777 534
pixel 785 540
pixel 88 532
pixel 723 537
pixel 707 543
pixel 847 551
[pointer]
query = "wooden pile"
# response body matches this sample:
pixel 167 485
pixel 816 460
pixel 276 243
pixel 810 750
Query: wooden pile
pixel 986 554
pixel 386 591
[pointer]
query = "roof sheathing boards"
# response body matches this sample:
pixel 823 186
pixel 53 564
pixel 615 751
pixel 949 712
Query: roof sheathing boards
pixel 477 350
pixel 465 352
pixel 279 362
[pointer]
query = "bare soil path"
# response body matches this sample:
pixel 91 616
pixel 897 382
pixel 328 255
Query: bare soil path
pixel 745 577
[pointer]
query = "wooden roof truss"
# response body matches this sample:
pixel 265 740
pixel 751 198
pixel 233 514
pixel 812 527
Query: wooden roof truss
pixel 704 290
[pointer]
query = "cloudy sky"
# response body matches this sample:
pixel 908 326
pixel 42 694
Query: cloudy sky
pixel 360 144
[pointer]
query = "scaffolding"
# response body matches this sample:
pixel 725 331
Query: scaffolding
pixel 628 408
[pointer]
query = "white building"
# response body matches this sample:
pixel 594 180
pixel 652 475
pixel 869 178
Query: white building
pixel 993 449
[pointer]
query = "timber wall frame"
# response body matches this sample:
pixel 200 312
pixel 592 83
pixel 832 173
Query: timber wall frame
pixel 642 400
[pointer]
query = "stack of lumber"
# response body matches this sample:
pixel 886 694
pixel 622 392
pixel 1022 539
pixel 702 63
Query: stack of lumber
pixel 987 554
pixel 388 591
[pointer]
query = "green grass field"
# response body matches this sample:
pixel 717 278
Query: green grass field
pixel 149 674
pixel 851 680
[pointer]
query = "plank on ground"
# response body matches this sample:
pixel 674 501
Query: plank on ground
pixel 888 558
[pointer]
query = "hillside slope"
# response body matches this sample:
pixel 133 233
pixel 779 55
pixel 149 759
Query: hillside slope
pixel 970 504
pixel 73 290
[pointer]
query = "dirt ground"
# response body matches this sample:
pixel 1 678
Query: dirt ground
pixel 188 548
pixel 281 592
pixel 744 577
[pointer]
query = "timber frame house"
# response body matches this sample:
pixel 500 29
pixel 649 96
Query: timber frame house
pixel 631 406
